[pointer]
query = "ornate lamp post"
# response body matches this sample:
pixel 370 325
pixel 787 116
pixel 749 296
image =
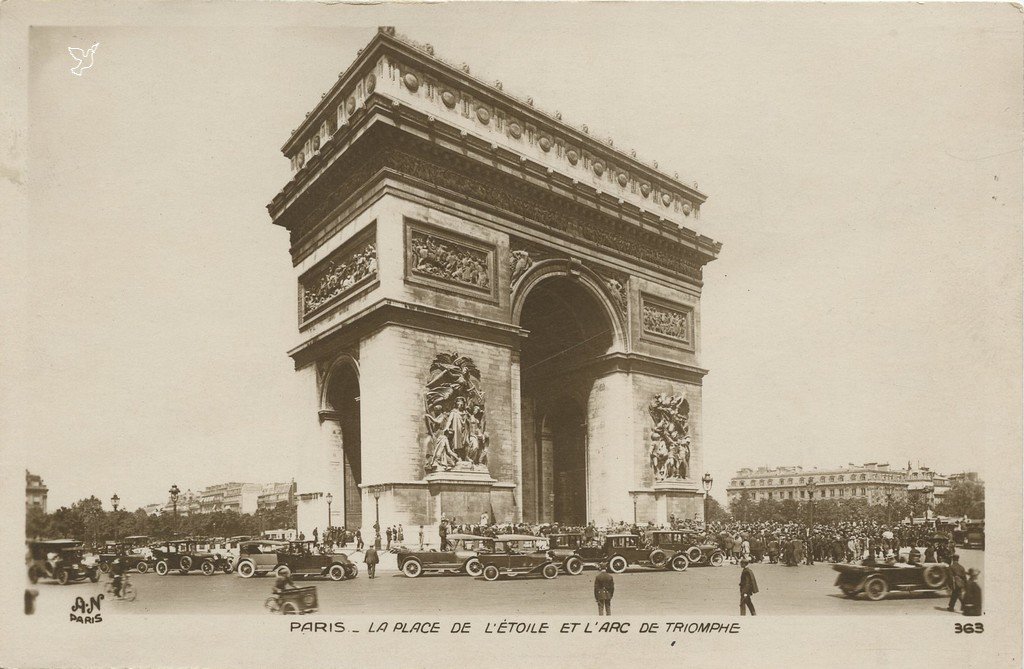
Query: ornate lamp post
pixel 707 482
pixel 811 486
pixel 330 498
pixel 174 492
pixel 114 501
pixel 376 502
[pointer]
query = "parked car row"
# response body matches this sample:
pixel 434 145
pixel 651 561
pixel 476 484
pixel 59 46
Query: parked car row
pixel 570 553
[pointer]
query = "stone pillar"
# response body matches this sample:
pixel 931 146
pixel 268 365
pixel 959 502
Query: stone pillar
pixel 333 446
pixel 610 470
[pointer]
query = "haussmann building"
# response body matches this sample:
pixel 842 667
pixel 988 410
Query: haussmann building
pixel 498 314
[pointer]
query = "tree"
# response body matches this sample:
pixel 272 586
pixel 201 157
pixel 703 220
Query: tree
pixel 964 498
pixel 716 512
pixel 742 507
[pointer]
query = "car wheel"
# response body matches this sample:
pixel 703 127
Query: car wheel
pixel 289 609
pixel 336 572
pixel 186 563
pixel 617 564
pixel 273 604
pixel 550 570
pixel 246 569
pixel 934 576
pixel 412 568
pixel 659 558
pixel 491 573
pixel 693 554
pixel 573 565
pixel 876 588
pixel 94 575
pixel 142 567
pixel 227 568
pixel 718 559
pixel 33 574
pixel 105 567
pixel 680 563
pixel 161 567
pixel 351 571
pixel 284 571
pixel 63 577
pixel 208 568
pixel 473 567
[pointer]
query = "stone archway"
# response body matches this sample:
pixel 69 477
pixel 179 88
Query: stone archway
pixel 570 327
pixel 341 422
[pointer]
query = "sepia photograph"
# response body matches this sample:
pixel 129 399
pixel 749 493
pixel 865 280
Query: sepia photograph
pixel 410 334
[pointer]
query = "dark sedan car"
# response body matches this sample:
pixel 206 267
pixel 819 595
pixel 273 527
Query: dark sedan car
pixel 877 580
pixel 516 555
pixel 59 559
pixel 461 559
pixel 184 556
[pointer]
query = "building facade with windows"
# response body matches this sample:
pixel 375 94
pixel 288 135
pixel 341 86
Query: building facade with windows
pixel 872 481
pixel 35 492
pixel 274 494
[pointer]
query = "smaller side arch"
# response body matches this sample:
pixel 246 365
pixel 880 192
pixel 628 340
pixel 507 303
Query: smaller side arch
pixel 343 362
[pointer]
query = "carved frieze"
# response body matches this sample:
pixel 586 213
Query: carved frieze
pixel 448 260
pixel 341 275
pixel 665 320
pixel 670 437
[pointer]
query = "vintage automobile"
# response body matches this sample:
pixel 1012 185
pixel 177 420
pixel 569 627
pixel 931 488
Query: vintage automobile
pixel 301 558
pixel 622 550
pixel 704 554
pixel 669 548
pixel 572 552
pixel 294 602
pixel 184 556
pixel 59 559
pixel 460 559
pixel 877 579
pixel 133 549
pixel 516 555
pixel 258 557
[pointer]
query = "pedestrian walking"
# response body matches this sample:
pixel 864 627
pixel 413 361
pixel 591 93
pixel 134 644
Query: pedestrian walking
pixel 748 588
pixel 376 542
pixel 401 534
pixel 604 590
pixel 972 595
pixel 316 538
pixel 359 540
pixel 958 584
pixel 371 560
pixel 421 537
pixel 388 532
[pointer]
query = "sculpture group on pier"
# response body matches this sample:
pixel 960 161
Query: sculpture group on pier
pixel 670 449
pixel 454 415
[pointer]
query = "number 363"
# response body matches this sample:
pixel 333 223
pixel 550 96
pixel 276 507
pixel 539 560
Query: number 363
pixel 969 628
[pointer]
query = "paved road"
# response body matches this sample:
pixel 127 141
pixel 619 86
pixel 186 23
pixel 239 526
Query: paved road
pixel 706 591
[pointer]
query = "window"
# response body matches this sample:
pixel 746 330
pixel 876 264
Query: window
pixel 791 494
pixel 840 477
pixel 831 478
pixel 832 493
pixel 842 492
pixel 802 494
pixel 801 479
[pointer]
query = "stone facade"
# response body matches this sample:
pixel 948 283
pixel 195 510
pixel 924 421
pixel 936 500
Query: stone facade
pixel 433 215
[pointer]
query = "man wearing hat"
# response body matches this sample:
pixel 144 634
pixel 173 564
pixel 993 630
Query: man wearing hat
pixel 972 595
pixel 959 581
pixel 604 590
pixel 748 588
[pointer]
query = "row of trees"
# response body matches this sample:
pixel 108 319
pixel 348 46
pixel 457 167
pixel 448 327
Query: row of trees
pixel 966 498
pixel 87 521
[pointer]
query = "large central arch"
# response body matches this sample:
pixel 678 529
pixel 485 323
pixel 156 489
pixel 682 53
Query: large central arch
pixel 570 325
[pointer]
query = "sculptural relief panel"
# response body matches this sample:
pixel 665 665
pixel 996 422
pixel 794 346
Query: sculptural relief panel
pixel 667 322
pixel 339 277
pixel 454 416
pixel 450 262
pixel 670 437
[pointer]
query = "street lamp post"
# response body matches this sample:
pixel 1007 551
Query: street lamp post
pixel 707 481
pixel 811 486
pixel 330 498
pixel 174 492
pixel 376 503
pixel 114 501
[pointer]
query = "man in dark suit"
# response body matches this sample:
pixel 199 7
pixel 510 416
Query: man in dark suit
pixel 604 589
pixel 958 577
pixel 371 559
pixel 748 588
pixel 972 595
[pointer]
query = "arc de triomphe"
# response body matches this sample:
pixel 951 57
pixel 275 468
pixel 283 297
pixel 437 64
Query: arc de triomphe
pixel 498 314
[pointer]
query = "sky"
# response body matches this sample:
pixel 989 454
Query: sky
pixel 863 168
